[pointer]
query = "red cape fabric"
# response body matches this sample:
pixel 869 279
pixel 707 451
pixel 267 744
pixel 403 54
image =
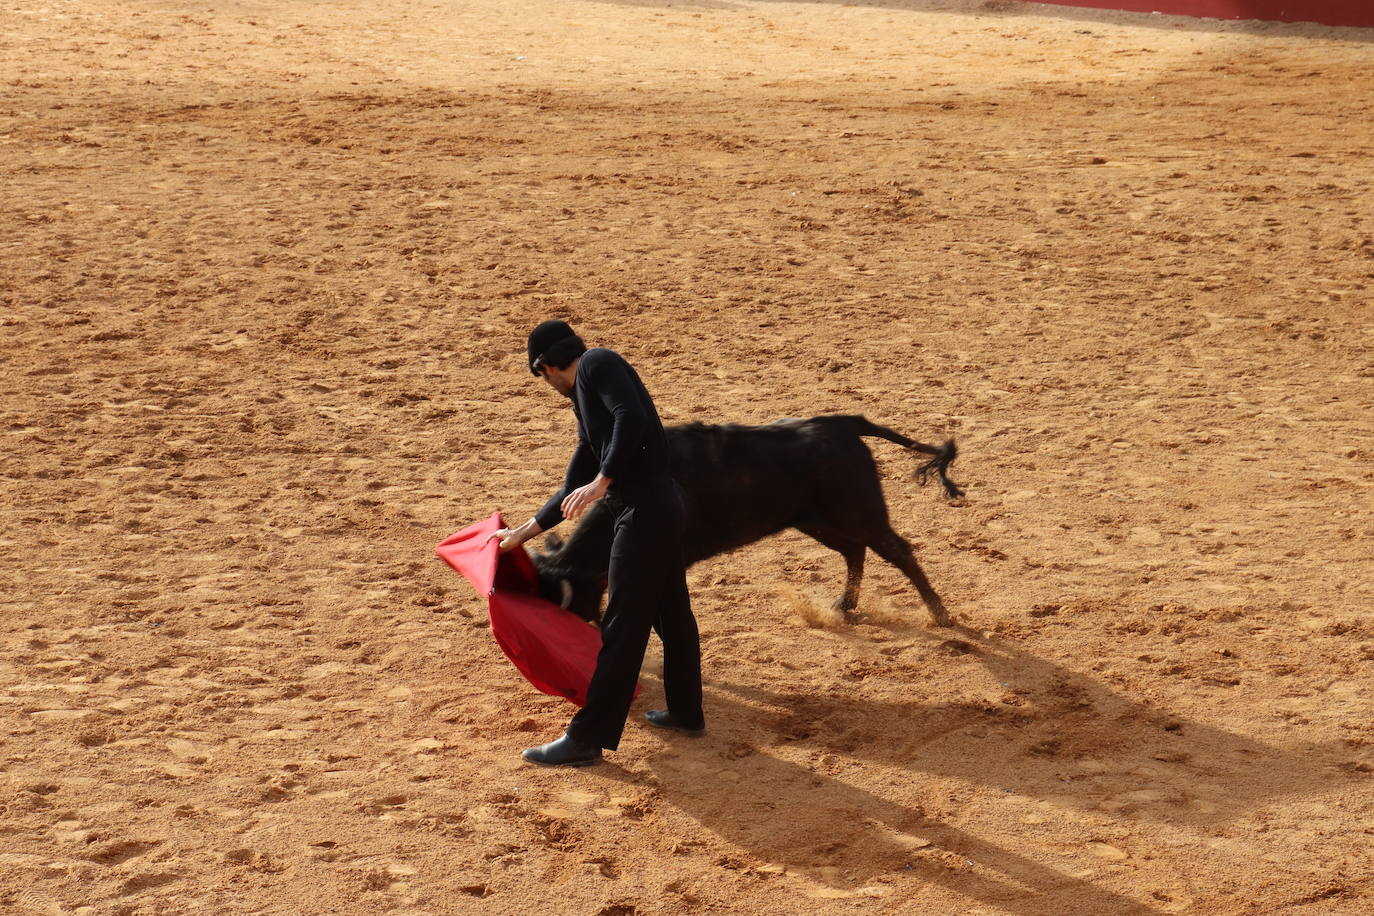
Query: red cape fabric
pixel 555 650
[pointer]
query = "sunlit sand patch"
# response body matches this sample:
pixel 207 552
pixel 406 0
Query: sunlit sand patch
pixel 825 883
pixel 1107 851
pixel 187 751
pixel 424 746
pixel 578 798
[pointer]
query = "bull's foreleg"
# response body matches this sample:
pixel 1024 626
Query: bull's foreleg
pixel 893 548
pixel 853 553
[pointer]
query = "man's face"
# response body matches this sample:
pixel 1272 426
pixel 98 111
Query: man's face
pixel 562 380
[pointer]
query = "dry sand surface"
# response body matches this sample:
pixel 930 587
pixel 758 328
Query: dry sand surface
pixel 266 270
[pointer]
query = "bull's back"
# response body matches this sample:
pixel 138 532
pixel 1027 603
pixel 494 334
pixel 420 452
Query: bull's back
pixel 744 483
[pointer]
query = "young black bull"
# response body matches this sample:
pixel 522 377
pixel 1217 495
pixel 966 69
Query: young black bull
pixel 744 483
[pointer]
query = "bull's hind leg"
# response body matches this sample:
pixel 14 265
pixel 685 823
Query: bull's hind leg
pixel 893 548
pixel 853 553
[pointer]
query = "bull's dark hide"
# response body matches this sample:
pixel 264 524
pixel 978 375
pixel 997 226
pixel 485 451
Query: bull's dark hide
pixel 744 483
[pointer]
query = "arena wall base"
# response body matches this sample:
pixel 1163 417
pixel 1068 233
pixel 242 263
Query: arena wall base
pixel 1326 12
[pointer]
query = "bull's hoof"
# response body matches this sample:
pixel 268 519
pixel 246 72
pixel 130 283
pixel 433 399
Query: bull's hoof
pixel 844 605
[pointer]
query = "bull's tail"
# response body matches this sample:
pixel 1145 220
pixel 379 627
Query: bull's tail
pixel 941 455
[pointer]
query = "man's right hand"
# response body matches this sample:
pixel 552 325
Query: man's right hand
pixel 512 538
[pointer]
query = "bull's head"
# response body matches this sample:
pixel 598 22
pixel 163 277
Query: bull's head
pixel 573 590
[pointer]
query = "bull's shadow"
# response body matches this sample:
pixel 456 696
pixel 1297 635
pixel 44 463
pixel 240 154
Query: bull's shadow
pixel 1065 738
pixel 838 839
pixel 1071 742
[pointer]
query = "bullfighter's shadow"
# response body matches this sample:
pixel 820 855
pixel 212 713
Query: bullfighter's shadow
pixel 1072 742
pixel 836 839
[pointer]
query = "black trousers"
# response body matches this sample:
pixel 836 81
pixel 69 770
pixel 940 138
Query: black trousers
pixel 646 589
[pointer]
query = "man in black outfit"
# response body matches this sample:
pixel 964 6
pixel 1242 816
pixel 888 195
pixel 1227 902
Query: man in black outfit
pixel 621 456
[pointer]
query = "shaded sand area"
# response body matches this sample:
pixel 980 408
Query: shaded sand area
pixel 266 273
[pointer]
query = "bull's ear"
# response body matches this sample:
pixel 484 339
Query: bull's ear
pixel 553 540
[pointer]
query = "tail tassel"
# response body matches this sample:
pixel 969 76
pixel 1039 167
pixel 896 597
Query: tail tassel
pixel 940 464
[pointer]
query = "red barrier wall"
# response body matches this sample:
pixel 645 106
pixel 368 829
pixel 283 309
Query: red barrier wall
pixel 1328 12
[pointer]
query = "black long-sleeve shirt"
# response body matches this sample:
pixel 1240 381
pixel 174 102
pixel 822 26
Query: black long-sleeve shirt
pixel 619 432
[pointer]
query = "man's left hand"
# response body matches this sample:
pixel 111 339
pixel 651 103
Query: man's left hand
pixel 580 499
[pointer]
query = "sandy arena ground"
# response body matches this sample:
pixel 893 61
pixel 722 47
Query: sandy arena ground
pixel 266 272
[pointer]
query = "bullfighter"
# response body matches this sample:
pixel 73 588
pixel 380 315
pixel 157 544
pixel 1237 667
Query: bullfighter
pixel 622 458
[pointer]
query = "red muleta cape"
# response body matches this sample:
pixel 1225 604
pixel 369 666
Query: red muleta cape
pixel 554 649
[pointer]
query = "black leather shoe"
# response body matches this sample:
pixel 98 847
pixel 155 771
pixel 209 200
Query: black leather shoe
pixel 662 718
pixel 565 752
